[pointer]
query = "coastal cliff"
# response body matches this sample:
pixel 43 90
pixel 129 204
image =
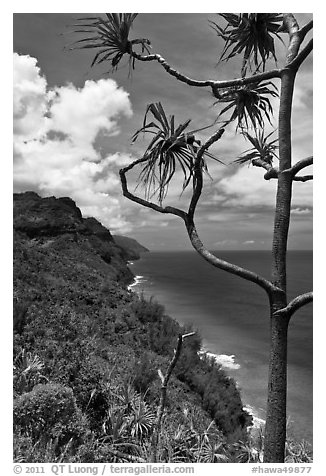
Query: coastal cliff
pixel 87 350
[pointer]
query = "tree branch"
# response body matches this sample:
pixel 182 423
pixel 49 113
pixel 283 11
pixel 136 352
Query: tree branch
pixel 273 172
pixel 296 304
pixel 215 85
pixel 172 71
pixel 303 178
pixel 141 201
pixel 299 59
pixel 198 173
pixel 301 164
pixel 164 384
pixel 225 265
pixel 305 29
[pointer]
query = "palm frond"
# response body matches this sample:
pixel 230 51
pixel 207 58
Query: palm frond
pixel 110 37
pixel 262 149
pixel 250 104
pixel 170 148
pixel 251 34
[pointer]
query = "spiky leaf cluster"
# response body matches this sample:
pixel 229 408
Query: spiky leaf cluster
pixel 249 103
pixel 262 148
pixel 251 34
pixel 171 147
pixel 110 37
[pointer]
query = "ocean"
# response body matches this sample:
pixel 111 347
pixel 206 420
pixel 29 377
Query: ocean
pixel 232 316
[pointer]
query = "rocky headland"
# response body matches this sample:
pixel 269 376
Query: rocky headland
pixel 87 351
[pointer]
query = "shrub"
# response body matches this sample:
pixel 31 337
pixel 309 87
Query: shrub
pixel 48 411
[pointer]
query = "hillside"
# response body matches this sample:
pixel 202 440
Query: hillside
pixel 134 248
pixel 87 352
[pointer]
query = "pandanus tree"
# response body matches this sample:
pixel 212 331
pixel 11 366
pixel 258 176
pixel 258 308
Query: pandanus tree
pixel 249 106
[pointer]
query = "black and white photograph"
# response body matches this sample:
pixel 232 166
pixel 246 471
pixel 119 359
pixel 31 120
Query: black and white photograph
pixel 162 241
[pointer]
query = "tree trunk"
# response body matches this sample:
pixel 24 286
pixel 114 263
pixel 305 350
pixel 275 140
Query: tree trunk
pixel 275 429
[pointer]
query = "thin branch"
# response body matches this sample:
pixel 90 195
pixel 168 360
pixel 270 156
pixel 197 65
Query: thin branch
pixel 303 178
pixel 273 172
pixel 215 85
pixel 296 304
pixel 299 59
pixel 305 29
pixel 173 71
pixel 141 201
pixel 164 384
pixel 301 164
pixel 196 242
pixel 198 174
pixel 290 24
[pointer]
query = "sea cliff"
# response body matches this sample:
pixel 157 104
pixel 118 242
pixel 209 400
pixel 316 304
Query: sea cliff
pixel 87 351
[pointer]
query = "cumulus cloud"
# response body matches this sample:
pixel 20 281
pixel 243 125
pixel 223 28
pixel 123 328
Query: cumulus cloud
pixel 30 99
pixel 247 188
pixel 55 133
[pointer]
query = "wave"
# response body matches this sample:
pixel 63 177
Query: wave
pixel 137 280
pixel 257 421
pixel 225 361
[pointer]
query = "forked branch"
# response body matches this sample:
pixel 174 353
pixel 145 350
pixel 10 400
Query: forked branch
pixel 188 218
pixel 198 172
pixel 301 164
pixel 296 304
pixel 273 172
pixel 141 201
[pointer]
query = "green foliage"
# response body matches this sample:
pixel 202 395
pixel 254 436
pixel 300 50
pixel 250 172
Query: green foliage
pixel 144 373
pixel 171 147
pixel 298 452
pixel 220 397
pixel 250 104
pixel 49 411
pixel 110 37
pixel 27 372
pixel 262 148
pixel 86 361
pixel 250 34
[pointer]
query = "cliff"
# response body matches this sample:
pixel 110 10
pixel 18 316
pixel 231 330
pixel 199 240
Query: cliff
pixel 87 352
pixel 132 246
pixel 48 220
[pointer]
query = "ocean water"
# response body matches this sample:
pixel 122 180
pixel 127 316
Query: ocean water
pixel 232 316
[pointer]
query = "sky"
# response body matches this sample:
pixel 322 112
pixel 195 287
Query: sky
pixel 73 126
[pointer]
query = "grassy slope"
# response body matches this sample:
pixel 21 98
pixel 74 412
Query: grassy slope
pixel 95 339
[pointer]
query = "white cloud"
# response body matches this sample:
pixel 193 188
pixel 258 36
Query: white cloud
pixel 55 133
pixel 30 98
pixel 247 188
pixel 83 113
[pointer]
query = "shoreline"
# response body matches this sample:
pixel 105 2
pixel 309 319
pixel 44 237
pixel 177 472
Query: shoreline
pixel 251 376
pixel 227 362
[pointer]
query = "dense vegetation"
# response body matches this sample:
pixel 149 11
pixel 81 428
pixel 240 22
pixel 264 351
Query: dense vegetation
pixel 87 352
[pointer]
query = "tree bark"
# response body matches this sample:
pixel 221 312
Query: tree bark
pixel 275 428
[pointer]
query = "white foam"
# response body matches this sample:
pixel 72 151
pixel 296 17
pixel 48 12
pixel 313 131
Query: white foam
pixel 257 422
pixel 137 280
pixel 225 361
